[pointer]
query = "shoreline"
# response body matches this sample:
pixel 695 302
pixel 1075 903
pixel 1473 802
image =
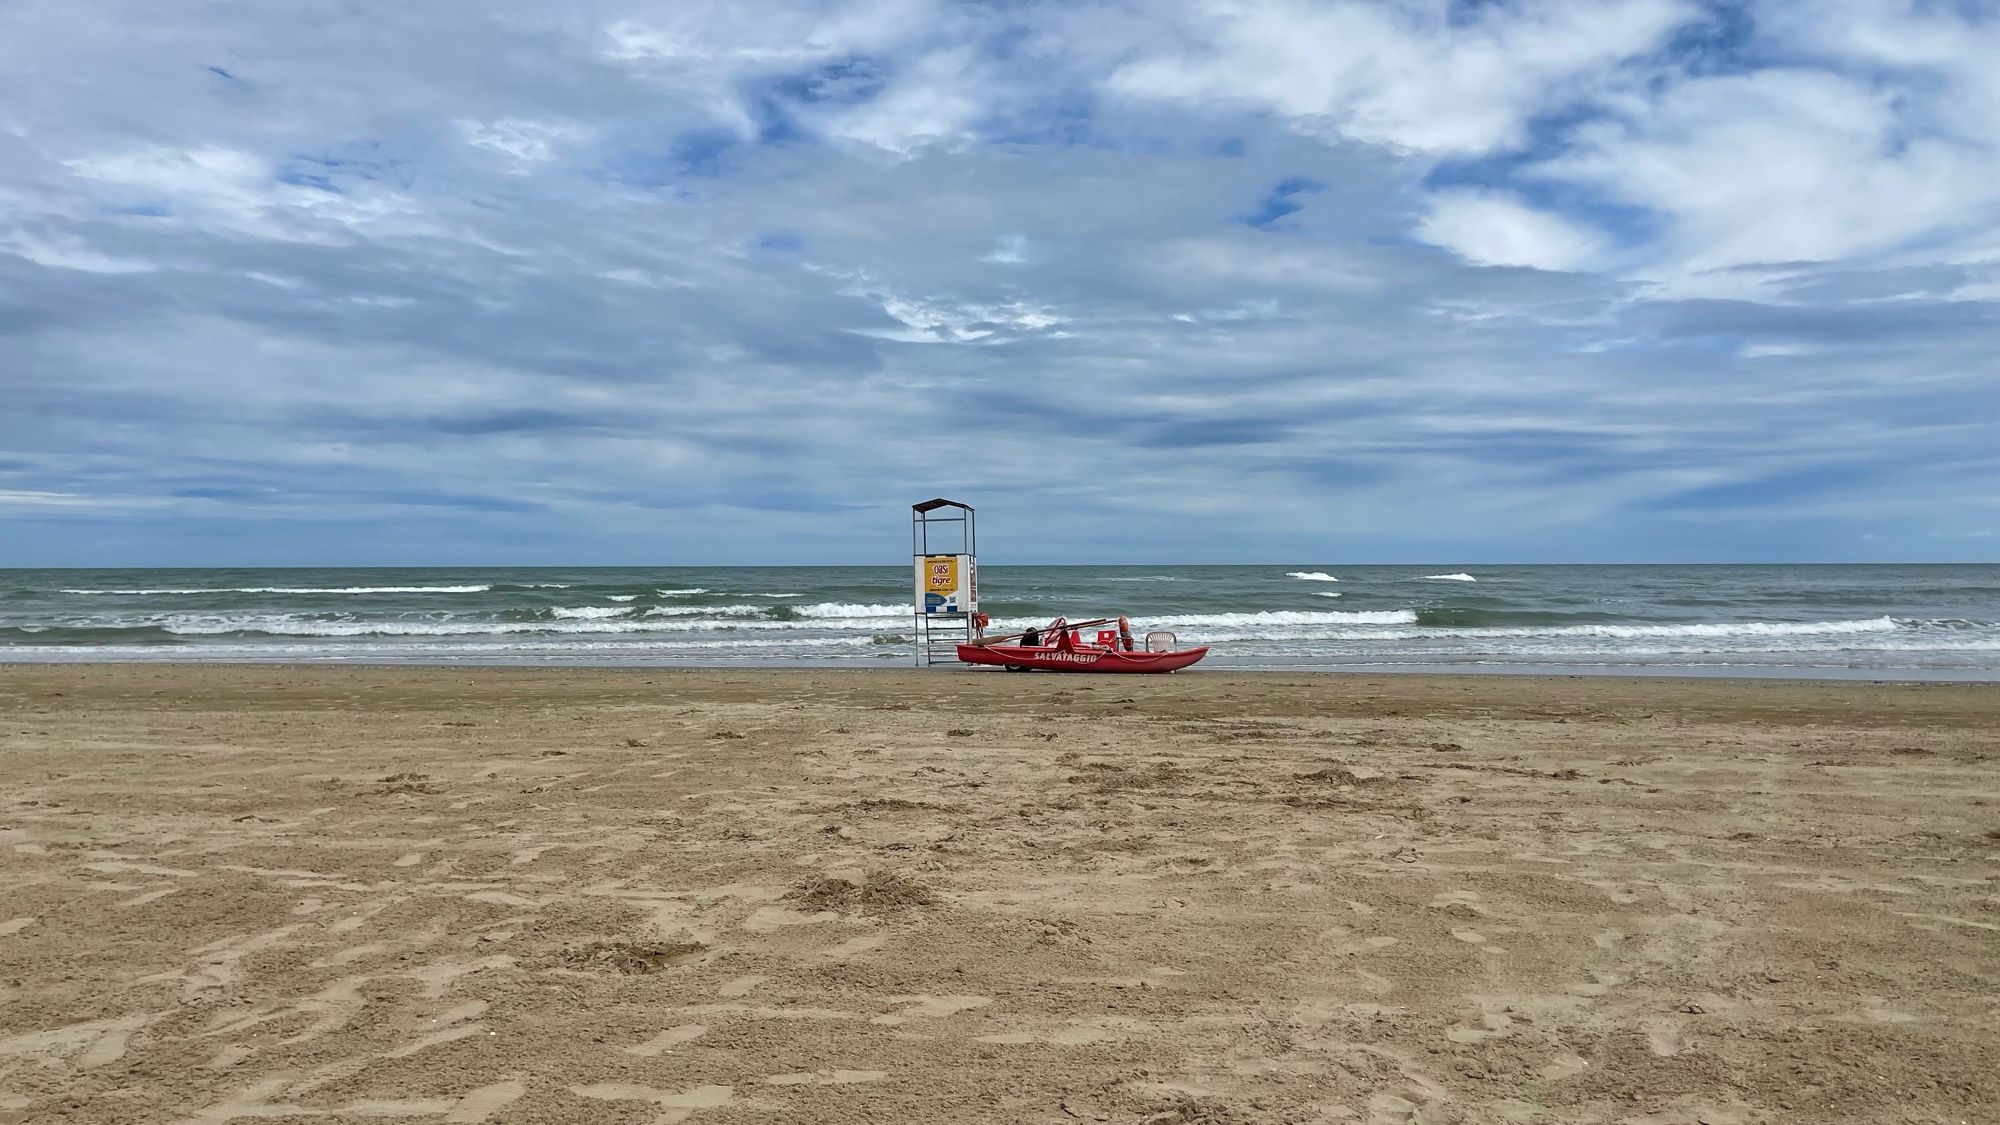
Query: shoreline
pixel 1495 669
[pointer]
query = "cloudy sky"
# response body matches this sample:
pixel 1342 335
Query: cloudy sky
pixel 614 282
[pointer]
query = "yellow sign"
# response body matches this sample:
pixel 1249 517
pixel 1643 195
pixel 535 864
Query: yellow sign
pixel 941 574
pixel 947 584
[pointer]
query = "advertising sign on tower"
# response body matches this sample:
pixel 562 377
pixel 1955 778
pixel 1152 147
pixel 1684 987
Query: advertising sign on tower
pixel 947 584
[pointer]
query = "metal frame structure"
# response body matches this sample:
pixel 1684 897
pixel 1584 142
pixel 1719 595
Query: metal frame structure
pixel 941 527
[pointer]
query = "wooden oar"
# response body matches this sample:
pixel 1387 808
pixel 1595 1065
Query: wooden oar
pixel 984 641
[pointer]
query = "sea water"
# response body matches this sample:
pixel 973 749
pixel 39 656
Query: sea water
pixel 1932 621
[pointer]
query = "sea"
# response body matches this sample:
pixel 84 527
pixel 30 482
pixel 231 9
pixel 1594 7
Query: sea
pixel 1867 621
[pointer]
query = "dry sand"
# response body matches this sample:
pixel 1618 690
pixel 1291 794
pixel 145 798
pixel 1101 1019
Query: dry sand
pixel 655 896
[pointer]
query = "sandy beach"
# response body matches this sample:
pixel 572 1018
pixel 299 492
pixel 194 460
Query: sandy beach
pixel 655 896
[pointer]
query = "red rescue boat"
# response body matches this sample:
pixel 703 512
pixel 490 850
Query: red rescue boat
pixel 1069 652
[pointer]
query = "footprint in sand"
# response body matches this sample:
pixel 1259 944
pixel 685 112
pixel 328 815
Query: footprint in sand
pixel 1471 937
pixel 482 1103
pixel 92 1044
pixel 1565 1065
pixel 1394 1109
pixel 350 955
pixel 15 925
pixel 435 1039
pixel 218 961
pixel 1600 984
pixel 1079 1033
pixel 1373 982
pixel 826 1078
pixel 667 1040
pixel 504 898
pixel 1663 1038
pixel 228 1057
pixel 113 867
pixel 767 918
pixel 1492 1025
pixel 854 947
pixel 1344 943
pixel 741 986
pixel 675 1107
pixel 1459 904
pixel 438 976
pixel 1613 891
pixel 929 1007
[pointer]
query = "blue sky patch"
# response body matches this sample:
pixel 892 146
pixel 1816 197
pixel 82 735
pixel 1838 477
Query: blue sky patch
pixel 1282 200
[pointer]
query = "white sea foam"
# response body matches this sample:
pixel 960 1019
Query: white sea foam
pixel 705 611
pixel 197 591
pixel 688 593
pixel 1326 593
pixel 1449 578
pixel 1284 617
pixel 302 590
pixel 848 609
pixel 1720 629
pixel 1743 633
pixel 1311 575
pixel 620 597
pixel 290 626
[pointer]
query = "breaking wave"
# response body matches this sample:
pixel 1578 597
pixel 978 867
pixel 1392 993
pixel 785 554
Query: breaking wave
pixel 1449 578
pixel 1311 575
pixel 312 590
pixel 846 609
pixel 590 612
pixel 1289 617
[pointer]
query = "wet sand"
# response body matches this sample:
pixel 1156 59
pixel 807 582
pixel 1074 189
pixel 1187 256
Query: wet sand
pixel 654 896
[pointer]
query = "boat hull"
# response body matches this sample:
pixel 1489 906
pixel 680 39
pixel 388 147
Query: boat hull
pixel 1079 659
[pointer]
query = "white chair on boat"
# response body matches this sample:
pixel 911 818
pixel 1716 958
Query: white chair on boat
pixel 1159 641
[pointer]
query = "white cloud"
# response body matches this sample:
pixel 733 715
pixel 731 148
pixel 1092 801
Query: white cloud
pixel 69 253
pixel 1490 229
pixel 34 499
pixel 1411 75
pixel 935 101
pixel 1779 166
pixel 224 180
pixel 230 189
pixel 1008 250
pixel 526 140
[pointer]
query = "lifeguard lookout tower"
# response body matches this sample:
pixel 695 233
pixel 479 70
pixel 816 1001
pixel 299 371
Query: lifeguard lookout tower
pixel 944 546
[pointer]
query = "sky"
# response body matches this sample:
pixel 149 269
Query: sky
pixel 607 282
